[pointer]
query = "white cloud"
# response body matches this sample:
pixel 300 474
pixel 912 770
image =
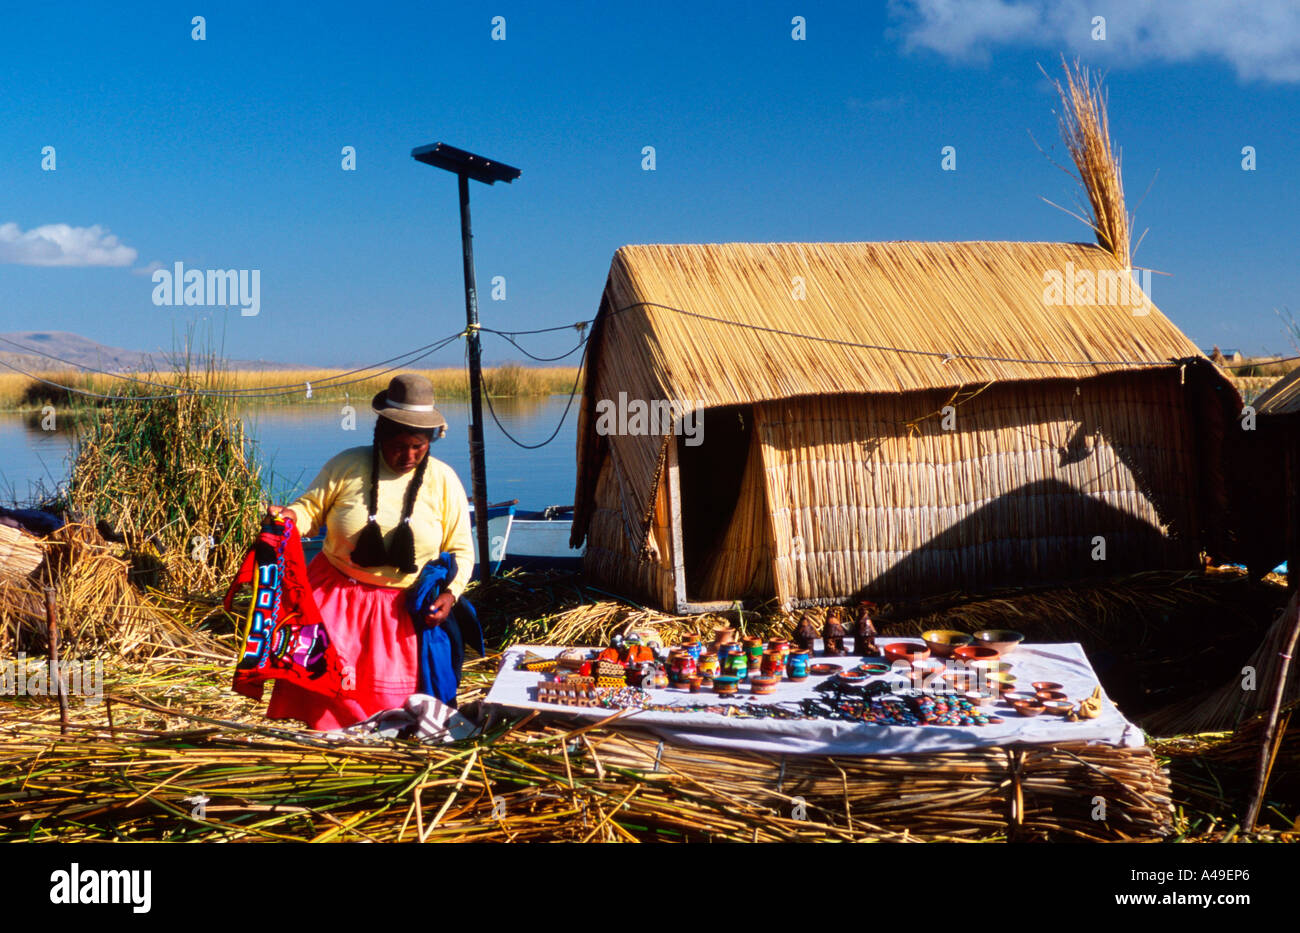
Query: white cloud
pixel 62 245
pixel 149 269
pixel 1260 40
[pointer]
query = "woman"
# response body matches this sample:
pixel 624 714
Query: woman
pixel 387 509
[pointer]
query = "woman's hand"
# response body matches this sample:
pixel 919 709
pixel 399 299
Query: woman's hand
pixel 440 609
pixel 280 511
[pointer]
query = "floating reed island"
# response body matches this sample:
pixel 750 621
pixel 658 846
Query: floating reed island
pixel 914 422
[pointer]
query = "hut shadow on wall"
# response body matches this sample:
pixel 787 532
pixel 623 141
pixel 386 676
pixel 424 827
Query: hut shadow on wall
pixel 990 547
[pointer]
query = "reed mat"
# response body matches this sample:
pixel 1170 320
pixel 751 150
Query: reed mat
pixel 136 766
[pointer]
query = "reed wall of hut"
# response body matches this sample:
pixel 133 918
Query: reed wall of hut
pixel 829 468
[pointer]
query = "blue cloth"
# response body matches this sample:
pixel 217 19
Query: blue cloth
pixel 36 521
pixel 442 647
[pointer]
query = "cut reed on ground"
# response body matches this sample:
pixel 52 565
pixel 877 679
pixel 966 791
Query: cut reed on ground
pixel 557 783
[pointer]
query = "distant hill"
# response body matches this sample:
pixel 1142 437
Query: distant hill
pixel 82 351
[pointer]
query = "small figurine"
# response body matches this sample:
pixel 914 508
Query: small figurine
pixel 1091 707
pixel 864 633
pixel 833 635
pixel 806 636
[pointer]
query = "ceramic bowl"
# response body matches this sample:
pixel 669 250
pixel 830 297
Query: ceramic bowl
pixel 1058 707
pixel 991 667
pixel 1003 683
pixel 1001 640
pixel 1026 708
pixel 981 697
pixel 1046 695
pixel 872 668
pixel 941 642
pixel 975 653
pixel 905 651
pixel 1047 685
pixel 960 680
pixel 1015 697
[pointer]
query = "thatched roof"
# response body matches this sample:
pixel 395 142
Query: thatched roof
pixel 720 324
pixel 1282 397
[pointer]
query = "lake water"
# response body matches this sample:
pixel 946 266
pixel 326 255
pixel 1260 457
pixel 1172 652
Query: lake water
pixel 293 442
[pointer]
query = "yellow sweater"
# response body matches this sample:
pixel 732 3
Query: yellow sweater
pixel 439 521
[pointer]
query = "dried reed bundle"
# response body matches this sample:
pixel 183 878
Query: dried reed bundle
pixel 1240 698
pixel 20 553
pixel 101 612
pixel 555 784
pixel 1085 128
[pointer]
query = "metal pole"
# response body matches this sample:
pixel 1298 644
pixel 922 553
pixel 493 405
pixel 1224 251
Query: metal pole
pixel 477 465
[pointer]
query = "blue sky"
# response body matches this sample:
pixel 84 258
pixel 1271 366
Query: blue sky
pixel 226 153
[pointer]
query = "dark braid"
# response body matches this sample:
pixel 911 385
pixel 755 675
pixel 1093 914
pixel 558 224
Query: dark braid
pixel 401 550
pixel 370 550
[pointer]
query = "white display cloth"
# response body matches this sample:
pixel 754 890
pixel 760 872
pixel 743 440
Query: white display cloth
pixel 1065 664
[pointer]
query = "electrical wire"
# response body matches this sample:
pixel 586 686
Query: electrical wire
pixel 326 383
pixel 296 387
pixel 572 394
pixel 541 359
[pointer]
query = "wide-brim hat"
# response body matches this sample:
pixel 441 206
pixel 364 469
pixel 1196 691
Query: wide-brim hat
pixel 408 400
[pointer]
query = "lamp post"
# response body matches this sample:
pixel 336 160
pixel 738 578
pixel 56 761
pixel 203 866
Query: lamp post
pixel 466 165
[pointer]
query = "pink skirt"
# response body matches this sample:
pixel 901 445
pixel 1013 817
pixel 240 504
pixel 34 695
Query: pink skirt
pixel 373 633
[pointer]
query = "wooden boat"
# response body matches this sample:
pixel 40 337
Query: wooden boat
pixel 532 537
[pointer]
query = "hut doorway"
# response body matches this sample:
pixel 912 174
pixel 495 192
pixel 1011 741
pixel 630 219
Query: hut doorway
pixel 723 516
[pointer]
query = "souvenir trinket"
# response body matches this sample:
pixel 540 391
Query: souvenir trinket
pixel 1091 707
pixel 681 667
pixel 737 665
pixel 864 633
pixel 773 664
pixel 1003 641
pixel 806 636
pixel 943 642
pixel 797 668
pixel 708 665
pixel 725 686
pixel 833 636
pixel 905 651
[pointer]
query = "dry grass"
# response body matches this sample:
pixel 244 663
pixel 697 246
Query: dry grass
pixel 19 392
pixel 176 476
pixel 176 731
pixel 1085 128
pixel 131 763
pixel 102 610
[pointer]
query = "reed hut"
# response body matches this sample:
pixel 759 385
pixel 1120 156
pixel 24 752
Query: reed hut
pixel 1266 479
pixel 889 420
